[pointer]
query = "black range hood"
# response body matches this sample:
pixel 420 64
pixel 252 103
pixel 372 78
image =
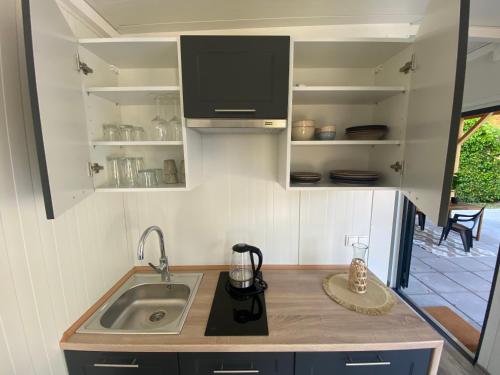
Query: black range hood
pixel 235 81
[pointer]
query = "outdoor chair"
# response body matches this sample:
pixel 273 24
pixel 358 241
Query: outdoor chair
pixel 455 224
pixel 421 219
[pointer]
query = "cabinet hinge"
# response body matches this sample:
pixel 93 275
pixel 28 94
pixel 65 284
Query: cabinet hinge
pixel 82 66
pixel 94 168
pixel 409 66
pixel 398 167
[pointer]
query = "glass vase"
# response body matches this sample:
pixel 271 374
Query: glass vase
pixel 358 270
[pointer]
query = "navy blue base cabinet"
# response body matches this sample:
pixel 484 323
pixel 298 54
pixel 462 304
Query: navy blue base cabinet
pixel 104 363
pixel 236 363
pixel 397 362
pixel 400 362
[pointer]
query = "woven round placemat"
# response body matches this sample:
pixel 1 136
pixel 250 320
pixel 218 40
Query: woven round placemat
pixel 377 300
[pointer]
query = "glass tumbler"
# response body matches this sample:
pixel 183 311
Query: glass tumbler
pixel 126 132
pixel 148 178
pixel 138 133
pixel 358 270
pixel 129 165
pixel 110 132
pixel 115 172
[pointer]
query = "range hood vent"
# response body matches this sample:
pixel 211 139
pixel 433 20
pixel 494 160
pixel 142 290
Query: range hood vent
pixel 235 81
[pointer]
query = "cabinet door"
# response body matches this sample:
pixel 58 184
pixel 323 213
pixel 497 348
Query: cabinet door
pixel 102 363
pixel 403 362
pixel 235 76
pixel 236 363
pixel 435 103
pixel 57 106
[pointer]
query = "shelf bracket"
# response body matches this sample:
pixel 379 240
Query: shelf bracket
pixel 410 66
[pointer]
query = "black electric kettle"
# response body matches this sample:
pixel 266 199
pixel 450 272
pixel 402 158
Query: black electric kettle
pixel 243 273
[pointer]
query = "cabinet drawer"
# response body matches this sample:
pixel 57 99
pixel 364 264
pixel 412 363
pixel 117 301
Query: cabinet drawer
pixel 401 362
pixel 108 363
pixel 236 363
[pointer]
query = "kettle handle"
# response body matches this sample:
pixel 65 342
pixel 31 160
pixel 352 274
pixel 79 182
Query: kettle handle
pixel 255 250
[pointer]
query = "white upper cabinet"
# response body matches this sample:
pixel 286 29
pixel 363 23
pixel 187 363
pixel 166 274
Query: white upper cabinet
pixel 57 106
pixel 434 108
pixel 334 82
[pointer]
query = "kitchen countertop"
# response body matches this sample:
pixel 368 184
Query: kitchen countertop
pixel 301 317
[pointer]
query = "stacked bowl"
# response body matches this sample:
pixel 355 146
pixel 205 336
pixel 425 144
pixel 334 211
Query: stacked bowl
pixel 303 130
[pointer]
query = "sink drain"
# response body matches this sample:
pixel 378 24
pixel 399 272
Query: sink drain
pixel 157 316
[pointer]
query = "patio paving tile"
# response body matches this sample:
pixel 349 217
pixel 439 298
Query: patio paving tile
pixel 425 300
pixel 487 275
pixel 442 264
pixel 470 281
pixel 421 253
pixel 470 304
pixel 439 283
pixel 418 266
pixel 489 261
pixel 416 287
pixel 484 295
pixel 470 264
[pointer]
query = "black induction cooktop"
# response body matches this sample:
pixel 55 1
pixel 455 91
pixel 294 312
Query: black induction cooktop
pixel 237 314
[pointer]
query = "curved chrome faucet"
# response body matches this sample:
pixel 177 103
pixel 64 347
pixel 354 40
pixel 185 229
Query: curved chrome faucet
pixel 162 268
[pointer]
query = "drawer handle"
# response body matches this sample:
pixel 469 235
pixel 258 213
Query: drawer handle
pixel 250 110
pixel 133 364
pixel 236 371
pixel 380 362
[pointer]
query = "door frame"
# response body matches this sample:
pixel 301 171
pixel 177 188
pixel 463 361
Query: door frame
pixel 404 260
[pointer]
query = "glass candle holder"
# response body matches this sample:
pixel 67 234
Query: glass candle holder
pixel 358 270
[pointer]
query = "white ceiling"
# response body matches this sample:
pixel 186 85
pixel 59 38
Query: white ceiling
pixel 141 16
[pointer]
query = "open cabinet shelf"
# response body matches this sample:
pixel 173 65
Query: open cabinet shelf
pixel 133 95
pixel 344 94
pixel 330 186
pixel 136 143
pixel 347 142
pixel 161 187
pixel 129 53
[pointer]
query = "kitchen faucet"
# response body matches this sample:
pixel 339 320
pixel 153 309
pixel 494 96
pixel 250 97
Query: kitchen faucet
pixel 162 269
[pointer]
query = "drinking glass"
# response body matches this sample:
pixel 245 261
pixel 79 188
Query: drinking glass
pixel 175 122
pixel 138 133
pixel 159 174
pixel 115 178
pixel 130 171
pixel 126 132
pixel 160 125
pixel 148 178
pixel 110 132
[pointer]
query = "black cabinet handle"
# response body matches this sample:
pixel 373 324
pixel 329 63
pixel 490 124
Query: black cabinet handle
pixel 380 362
pixel 249 110
pixel 132 364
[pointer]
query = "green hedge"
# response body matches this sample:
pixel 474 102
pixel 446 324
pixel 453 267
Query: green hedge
pixel 478 177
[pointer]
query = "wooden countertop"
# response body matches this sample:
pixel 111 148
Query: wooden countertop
pixel 301 317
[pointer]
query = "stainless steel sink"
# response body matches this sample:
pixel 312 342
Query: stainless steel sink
pixel 145 304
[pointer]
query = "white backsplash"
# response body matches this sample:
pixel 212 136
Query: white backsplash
pixel 240 201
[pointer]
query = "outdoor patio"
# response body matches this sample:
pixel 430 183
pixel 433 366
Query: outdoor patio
pixel 446 276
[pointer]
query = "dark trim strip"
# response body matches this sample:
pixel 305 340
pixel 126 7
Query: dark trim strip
pixel 480 111
pixel 456 114
pixel 488 307
pixel 35 110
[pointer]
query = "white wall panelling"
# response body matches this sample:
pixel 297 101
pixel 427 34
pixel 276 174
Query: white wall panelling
pixel 50 271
